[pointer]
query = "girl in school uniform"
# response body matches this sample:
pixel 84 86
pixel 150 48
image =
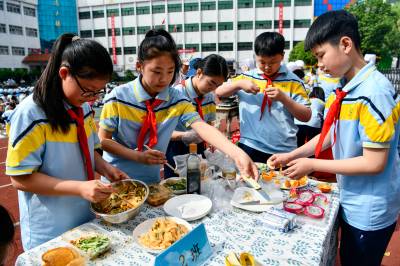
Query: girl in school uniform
pixel 52 139
pixel 211 72
pixel 144 113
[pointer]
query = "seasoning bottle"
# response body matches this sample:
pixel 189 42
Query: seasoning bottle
pixel 193 170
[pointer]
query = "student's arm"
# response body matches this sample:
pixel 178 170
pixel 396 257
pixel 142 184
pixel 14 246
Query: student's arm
pixel 177 135
pixel 145 157
pixel 299 111
pixel 229 88
pixel 304 151
pixel 215 138
pixel 105 169
pixel 373 161
pixel 40 183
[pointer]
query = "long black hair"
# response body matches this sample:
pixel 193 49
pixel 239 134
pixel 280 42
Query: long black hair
pixel 7 230
pixel 85 58
pixel 213 65
pixel 158 42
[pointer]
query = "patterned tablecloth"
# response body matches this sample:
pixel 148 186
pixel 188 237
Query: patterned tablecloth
pixel 313 242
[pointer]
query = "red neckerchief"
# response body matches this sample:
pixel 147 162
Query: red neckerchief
pixel 331 118
pixel 149 124
pixel 76 114
pixel 266 99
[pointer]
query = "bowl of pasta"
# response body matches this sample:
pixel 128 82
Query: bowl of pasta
pixel 124 203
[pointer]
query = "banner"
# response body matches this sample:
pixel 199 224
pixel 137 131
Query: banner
pixel 281 18
pixel 113 40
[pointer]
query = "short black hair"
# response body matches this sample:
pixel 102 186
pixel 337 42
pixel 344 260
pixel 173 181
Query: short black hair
pixel 317 92
pixel 330 27
pixel 269 44
pixel 299 73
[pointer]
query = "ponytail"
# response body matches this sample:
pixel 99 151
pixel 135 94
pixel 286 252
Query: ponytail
pixel 85 58
pixel 156 43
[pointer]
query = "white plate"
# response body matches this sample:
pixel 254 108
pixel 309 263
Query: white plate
pixel 276 196
pixel 176 192
pixel 144 227
pixel 189 206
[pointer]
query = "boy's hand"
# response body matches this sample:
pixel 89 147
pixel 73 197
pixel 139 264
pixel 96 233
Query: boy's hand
pixel 279 159
pixel 152 157
pixel 245 165
pixel 114 174
pixel 248 86
pixel 275 94
pixel 299 168
pixel 95 190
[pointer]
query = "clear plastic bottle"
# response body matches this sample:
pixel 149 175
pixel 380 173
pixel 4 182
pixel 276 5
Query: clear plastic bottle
pixel 193 181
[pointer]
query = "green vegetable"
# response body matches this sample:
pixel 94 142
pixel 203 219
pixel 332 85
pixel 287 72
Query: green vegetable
pixel 93 245
pixel 176 185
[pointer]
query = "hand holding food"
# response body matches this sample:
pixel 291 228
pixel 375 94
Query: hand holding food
pixel 299 167
pixel 95 190
pixel 114 174
pixel 152 157
pixel 245 165
pixel 278 159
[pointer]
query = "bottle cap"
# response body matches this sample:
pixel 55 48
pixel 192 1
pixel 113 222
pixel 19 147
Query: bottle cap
pixel 192 148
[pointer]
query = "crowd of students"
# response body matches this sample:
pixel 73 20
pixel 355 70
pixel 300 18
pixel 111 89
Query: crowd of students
pixel 146 121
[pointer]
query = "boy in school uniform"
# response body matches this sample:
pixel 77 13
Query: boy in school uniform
pixel 270 97
pixel 361 124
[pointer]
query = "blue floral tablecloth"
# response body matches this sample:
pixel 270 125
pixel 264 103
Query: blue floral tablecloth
pixel 313 242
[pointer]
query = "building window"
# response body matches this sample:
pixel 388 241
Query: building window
pixel 117 50
pixel 175 28
pixel 1 5
pixel 195 47
pixel 284 2
pixel 128 11
pixel 4 50
pixel 86 34
pixel 130 50
pixel 99 33
pixel 98 14
pixel 31 32
pixel 128 31
pixel 245 25
pixel 245 46
pixel 18 50
pixel 117 32
pixel 112 12
pixel 208 5
pixel 225 4
pixel 191 6
pixel 208 47
pixel 143 29
pixel 191 27
pixel 159 27
pixel 141 10
pixel 158 9
pixel 302 23
pixel 17 30
pixel 286 24
pixel 174 8
pixel 84 15
pixel 208 26
pixel 302 2
pixel 3 28
pixel 13 8
pixel 29 11
pixel 287 44
pixel 263 3
pixel 33 51
pixel 225 26
pixel 245 3
pixel 179 46
pixel 263 24
pixel 225 46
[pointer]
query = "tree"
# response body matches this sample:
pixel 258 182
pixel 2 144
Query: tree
pixel 129 76
pixel 298 53
pixel 378 25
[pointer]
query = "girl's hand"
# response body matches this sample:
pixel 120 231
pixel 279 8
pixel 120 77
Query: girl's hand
pixel 152 157
pixel 249 86
pixel 299 168
pixel 279 159
pixel 114 174
pixel 245 165
pixel 95 190
pixel 275 94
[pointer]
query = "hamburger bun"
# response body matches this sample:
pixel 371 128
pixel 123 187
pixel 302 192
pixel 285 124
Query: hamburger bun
pixel 62 256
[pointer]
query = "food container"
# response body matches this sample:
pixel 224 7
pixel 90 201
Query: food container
pixel 125 215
